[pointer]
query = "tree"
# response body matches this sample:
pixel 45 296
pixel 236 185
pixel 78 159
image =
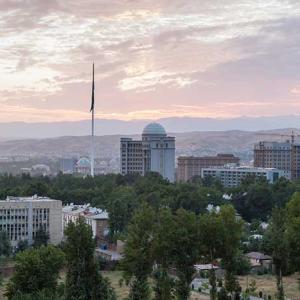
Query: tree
pixel 254 201
pixel 210 226
pixel 138 260
pixel 41 238
pixel 83 280
pixel 35 270
pixel 5 247
pixel 278 247
pixel 162 252
pixel 185 250
pixel 22 245
pixel 122 203
pixel 293 230
pixel 232 228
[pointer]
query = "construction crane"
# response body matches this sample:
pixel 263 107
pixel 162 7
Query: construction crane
pixel 292 135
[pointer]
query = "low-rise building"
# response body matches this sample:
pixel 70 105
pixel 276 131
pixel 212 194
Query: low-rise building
pixel 191 166
pixel 259 261
pixel 22 217
pixel 233 176
pixel 95 217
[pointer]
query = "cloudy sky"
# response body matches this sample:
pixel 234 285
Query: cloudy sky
pixel 154 58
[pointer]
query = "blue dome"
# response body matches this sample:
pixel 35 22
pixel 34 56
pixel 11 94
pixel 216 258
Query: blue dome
pixel 83 163
pixel 154 129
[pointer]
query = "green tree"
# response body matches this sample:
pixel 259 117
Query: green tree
pixel 83 280
pixel 278 247
pixel 36 270
pixel 5 247
pixel 162 252
pixel 122 203
pixel 232 230
pixel 254 201
pixel 185 250
pixel 138 259
pixel 211 227
pixel 41 238
pixel 293 230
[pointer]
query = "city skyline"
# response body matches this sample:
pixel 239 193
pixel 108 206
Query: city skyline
pixel 154 59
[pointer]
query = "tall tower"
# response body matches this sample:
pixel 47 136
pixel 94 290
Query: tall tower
pixel 158 151
pixel 154 153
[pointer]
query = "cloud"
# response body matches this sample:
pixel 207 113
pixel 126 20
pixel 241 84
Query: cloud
pixel 150 56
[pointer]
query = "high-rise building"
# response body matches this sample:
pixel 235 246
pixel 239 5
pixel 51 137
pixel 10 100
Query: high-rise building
pixel 154 153
pixel 67 165
pixel 22 217
pixel 280 155
pixel 190 166
pixel 233 176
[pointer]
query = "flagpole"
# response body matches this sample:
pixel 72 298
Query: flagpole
pixel 92 152
pixel 93 128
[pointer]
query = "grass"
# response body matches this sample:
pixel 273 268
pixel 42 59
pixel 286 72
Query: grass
pixel 114 278
pixel 267 284
pixel 264 283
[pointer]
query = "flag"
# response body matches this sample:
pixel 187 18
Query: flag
pixel 93 91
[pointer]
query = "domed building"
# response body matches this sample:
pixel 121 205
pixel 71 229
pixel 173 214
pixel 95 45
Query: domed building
pixel 154 129
pixel 83 166
pixel 155 152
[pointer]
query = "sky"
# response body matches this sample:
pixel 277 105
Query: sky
pixel 153 58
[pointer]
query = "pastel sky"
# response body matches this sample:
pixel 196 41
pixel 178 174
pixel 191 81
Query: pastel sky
pixel 153 58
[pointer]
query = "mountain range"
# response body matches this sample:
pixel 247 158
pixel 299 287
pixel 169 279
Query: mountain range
pixel 22 130
pixel 195 143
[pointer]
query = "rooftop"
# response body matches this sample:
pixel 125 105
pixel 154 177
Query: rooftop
pixel 258 256
pixel 26 199
pixel 154 129
pixel 86 210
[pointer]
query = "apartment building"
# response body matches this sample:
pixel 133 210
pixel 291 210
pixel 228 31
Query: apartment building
pixel 191 166
pixel 280 155
pixel 233 176
pixel 22 217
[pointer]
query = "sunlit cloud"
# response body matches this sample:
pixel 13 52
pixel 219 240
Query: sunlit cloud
pixel 154 59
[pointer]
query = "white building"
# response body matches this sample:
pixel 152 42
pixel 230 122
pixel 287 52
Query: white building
pixel 154 153
pixel 233 176
pixel 22 217
pixel 95 217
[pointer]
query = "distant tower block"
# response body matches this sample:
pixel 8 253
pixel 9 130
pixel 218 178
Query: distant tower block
pixel 154 153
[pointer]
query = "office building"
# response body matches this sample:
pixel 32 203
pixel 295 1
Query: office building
pixel 233 176
pixel 190 166
pixel 67 165
pixel 155 152
pixel 22 217
pixel 280 155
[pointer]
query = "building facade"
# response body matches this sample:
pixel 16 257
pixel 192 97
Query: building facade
pixel 95 217
pixel 154 153
pixel 280 155
pixel 67 165
pixel 22 217
pixel 233 176
pixel 190 166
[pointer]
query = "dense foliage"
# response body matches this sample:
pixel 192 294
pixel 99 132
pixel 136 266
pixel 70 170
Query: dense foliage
pixel 121 195
pixel 83 280
pixel 36 270
pixel 167 228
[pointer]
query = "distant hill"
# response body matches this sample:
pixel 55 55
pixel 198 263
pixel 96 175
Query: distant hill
pixel 111 127
pixel 189 143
